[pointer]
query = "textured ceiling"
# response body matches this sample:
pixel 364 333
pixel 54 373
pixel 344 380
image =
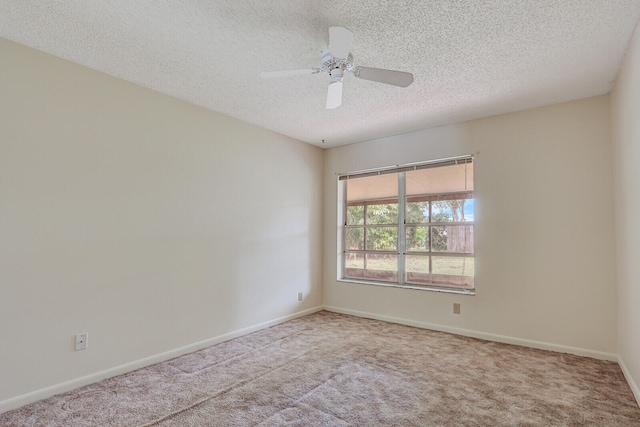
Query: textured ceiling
pixel 469 58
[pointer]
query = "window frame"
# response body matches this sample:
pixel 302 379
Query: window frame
pixel 402 279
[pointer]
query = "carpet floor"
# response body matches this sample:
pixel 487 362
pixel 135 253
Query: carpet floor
pixel 328 369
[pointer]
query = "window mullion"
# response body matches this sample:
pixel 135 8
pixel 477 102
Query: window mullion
pixel 364 236
pixel 343 221
pixel 402 179
pixel 430 231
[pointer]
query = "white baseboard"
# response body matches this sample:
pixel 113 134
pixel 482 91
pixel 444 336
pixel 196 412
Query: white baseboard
pixel 18 401
pixel 630 380
pixel 482 335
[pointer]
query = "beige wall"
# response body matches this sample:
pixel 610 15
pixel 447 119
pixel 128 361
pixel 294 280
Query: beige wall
pixel 544 229
pixel 148 222
pixel 625 120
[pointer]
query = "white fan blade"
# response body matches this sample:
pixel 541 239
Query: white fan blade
pixel 334 95
pixel 289 73
pixel 390 77
pixel 340 40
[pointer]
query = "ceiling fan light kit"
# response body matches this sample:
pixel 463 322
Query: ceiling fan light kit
pixel 337 60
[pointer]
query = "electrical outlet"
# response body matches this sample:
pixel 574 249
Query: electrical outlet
pixel 82 341
pixel 456 308
pixel 299 296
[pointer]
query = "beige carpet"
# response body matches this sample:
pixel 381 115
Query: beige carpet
pixel 327 369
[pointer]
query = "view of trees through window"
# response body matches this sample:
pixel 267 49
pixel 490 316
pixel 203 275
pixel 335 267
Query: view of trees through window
pixel 434 243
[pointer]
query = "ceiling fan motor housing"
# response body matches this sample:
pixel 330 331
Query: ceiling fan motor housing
pixel 330 64
pixel 336 75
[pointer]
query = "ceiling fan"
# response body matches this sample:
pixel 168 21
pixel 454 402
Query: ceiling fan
pixel 337 60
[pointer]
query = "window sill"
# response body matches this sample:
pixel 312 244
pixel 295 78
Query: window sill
pixel 414 287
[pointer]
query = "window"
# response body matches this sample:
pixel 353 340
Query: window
pixel 410 226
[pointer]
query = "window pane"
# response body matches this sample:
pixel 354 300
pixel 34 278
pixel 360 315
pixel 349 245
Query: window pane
pixel 417 212
pixel 452 210
pixel 355 215
pixel 381 267
pixel 452 238
pixel 417 269
pixel 417 263
pixel 446 271
pixel 417 238
pixel 439 238
pixel 353 261
pixel 459 266
pixel 384 213
pixel 453 271
pixel 382 238
pixel 469 210
pixel 377 266
pixel 354 238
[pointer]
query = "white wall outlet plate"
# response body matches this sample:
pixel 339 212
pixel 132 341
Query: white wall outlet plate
pixel 82 341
